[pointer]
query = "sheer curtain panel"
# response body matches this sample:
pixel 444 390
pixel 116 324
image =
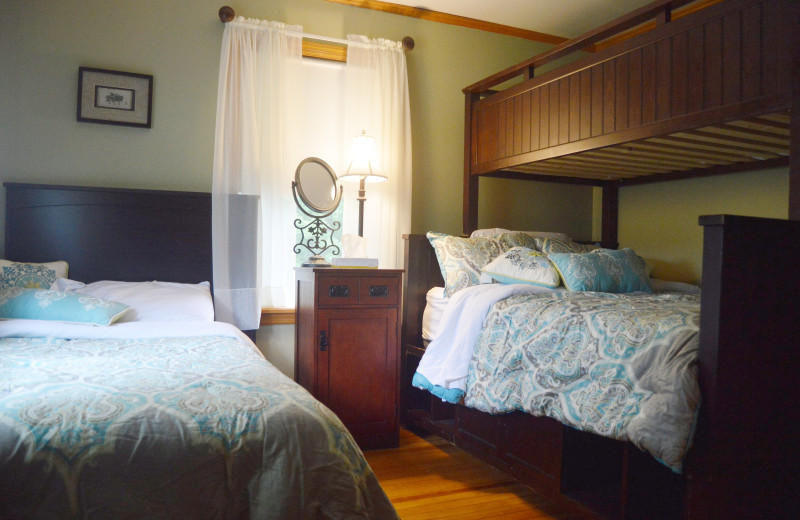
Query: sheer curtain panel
pixel 273 110
pixel 257 63
pixel 377 102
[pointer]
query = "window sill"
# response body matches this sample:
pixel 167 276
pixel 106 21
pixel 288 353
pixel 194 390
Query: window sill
pixel 277 317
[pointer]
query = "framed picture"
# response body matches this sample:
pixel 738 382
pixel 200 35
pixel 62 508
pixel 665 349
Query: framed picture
pixel 114 98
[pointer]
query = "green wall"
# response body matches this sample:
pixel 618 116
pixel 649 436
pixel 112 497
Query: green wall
pixel 659 221
pixel 43 42
pixel 178 42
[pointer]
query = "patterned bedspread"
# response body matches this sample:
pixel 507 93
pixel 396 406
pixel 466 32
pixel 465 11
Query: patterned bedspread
pixel 620 365
pixel 189 427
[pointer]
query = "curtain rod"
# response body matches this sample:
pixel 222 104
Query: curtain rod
pixel 226 14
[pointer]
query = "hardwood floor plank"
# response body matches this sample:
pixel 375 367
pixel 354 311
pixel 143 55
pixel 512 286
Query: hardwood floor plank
pixel 430 479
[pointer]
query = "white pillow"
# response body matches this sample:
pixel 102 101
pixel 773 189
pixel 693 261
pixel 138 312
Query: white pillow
pixel 152 301
pixel 432 315
pixel 669 286
pixel 523 265
pixel 490 232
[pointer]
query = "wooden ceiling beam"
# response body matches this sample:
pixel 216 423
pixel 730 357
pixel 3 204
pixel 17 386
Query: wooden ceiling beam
pixel 452 19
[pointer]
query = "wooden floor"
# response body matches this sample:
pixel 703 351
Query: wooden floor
pixel 430 479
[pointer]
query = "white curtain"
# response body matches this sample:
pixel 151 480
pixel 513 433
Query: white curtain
pixel 377 102
pixel 261 136
pixel 257 62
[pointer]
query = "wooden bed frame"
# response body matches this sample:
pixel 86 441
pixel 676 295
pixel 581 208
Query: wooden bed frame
pixel 712 92
pixel 114 233
pixel 141 235
pixel 744 462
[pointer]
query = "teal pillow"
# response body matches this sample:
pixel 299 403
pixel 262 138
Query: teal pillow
pixel 42 304
pixel 602 270
pixel 523 265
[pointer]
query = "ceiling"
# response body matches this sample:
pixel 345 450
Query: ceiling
pixel 565 18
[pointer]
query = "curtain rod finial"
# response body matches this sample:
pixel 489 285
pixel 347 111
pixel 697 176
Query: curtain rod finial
pixel 408 43
pixel 226 14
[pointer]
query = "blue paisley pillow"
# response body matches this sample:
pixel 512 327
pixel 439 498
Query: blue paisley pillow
pixel 523 265
pixel 555 245
pixel 42 304
pixel 36 276
pixel 461 259
pixel 602 270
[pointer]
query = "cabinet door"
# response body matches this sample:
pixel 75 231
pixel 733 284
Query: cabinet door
pixel 357 373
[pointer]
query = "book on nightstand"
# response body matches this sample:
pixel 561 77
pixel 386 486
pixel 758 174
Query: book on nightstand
pixel 365 263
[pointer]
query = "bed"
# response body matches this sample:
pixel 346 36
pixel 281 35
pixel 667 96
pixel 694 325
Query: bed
pixel 122 398
pixel 705 93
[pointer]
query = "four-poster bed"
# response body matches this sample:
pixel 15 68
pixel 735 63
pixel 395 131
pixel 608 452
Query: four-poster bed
pixel 714 92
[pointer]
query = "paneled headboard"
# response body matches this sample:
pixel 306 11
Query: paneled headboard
pixel 110 233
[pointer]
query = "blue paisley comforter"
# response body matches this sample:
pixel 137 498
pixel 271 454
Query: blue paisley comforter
pixel 619 365
pixel 169 427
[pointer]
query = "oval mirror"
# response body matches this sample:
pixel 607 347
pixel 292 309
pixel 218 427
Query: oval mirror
pixel 316 185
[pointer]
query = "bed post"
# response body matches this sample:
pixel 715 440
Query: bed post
pixel 794 132
pixel 470 208
pixel 610 215
pixel 744 461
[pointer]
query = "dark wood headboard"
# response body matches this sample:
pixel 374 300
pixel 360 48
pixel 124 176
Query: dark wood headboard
pixel 111 234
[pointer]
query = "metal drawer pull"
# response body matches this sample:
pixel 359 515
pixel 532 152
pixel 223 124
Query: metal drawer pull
pixel 323 341
pixel 339 291
pixel 378 291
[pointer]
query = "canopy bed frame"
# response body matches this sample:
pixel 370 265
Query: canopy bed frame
pixel 713 92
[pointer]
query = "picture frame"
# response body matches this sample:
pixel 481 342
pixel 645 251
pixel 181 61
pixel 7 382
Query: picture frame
pixel 114 97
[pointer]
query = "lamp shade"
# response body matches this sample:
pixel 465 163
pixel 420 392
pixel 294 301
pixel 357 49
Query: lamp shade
pixel 364 161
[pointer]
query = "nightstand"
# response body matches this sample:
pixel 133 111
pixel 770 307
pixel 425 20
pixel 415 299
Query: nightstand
pixel 347 340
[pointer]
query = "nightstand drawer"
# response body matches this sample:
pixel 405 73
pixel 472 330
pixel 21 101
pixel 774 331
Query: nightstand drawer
pixel 379 290
pixel 338 290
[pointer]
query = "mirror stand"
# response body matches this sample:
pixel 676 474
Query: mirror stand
pixel 313 238
pixel 315 185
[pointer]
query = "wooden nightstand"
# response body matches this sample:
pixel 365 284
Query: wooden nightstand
pixel 347 341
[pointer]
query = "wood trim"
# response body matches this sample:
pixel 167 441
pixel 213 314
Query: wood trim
pixel 648 26
pixel 324 50
pixel 451 19
pixel 277 316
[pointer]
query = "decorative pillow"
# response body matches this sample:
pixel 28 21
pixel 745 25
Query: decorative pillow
pixel 461 259
pixel 516 239
pixel 602 270
pixel 153 301
pixel 493 232
pixel 31 276
pixel 555 245
pixel 523 265
pixel 43 304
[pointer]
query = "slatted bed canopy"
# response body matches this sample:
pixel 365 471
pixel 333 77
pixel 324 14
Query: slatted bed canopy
pixel 705 94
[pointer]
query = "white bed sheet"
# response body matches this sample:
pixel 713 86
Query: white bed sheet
pixel 122 330
pixel 446 359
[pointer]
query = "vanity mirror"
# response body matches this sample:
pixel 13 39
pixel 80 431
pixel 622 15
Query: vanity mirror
pixel 316 195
